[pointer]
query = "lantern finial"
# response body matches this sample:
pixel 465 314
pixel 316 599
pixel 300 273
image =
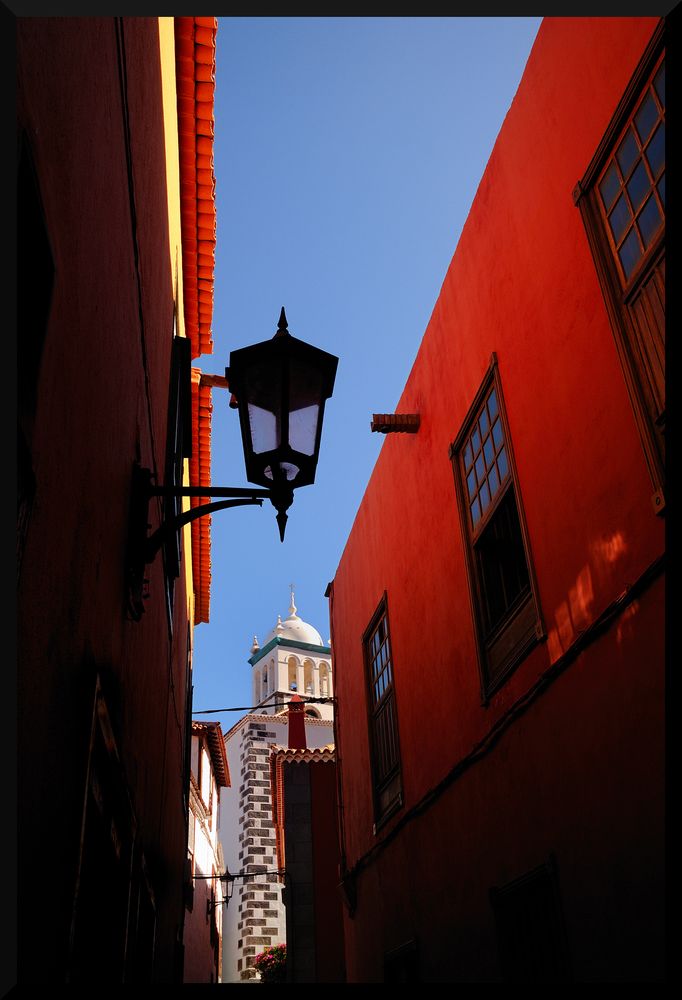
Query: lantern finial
pixel 282 324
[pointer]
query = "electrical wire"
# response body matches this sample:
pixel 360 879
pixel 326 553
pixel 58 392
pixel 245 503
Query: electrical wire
pixel 272 704
pixel 229 877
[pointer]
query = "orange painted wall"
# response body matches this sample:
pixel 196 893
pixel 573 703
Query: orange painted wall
pixel 200 956
pixel 522 283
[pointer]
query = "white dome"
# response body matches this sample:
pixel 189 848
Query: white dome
pixel 294 629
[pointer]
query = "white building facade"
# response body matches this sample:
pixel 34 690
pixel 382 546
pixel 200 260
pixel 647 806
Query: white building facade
pixel 292 660
pixel 204 900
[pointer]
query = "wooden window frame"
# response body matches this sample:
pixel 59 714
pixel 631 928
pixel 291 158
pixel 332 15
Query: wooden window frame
pixel 638 350
pixel 382 813
pixel 503 646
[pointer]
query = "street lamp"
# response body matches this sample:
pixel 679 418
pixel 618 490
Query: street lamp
pixel 228 886
pixel 279 387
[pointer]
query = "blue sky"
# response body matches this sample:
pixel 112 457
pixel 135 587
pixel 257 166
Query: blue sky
pixel 347 155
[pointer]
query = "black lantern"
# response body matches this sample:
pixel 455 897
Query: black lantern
pixel 280 387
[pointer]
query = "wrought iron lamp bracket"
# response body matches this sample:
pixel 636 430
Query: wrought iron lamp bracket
pixel 143 548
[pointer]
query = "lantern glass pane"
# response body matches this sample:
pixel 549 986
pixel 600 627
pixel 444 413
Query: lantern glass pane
pixel 265 432
pixel 305 400
pixel 303 429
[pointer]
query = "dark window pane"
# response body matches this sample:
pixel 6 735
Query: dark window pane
pixel 661 190
pixel 497 434
pixel 629 253
pixel 610 187
pixel 620 219
pixel 494 481
pixel 471 484
pixel 475 512
pixel 492 405
pixel 627 153
pixel 638 186
pixel 475 441
pixel 485 498
pixel 483 422
pixel 649 221
pixel 468 456
pixel 502 464
pixel 502 562
pixel 385 744
pixel 659 84
pixel 488 451
pixel 480 469
pixel 655 152
pixel 646 117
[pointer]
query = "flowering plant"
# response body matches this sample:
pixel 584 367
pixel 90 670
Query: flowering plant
pixel 272 964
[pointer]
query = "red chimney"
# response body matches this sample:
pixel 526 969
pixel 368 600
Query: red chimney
pixel 296 724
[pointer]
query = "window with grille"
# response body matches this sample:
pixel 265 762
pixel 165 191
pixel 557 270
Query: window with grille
pixel 504 602
pixel 384 745
pixel 632 187
pixel 622 202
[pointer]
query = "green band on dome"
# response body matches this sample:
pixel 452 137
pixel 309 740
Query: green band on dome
pixel 290 644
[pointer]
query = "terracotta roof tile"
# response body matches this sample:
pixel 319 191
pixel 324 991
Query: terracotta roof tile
pixel 216 745
pixel 200 475
pixel 195 75
pixel 299 756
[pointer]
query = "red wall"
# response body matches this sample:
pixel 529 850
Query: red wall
pixel 98 411
pixel 329 951
pixel 522 284
pixel 200 955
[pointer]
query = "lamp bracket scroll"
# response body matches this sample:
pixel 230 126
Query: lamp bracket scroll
pixel 143 547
